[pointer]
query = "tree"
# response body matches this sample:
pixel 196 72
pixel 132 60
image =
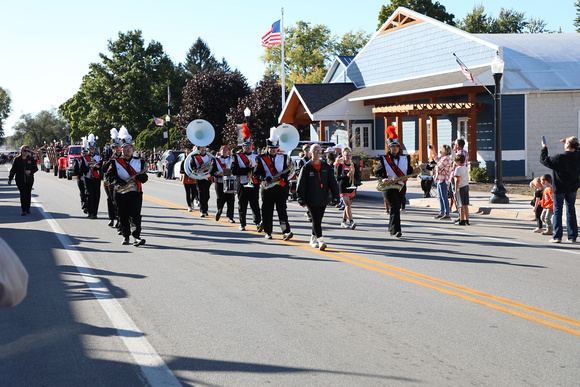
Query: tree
pixel 425 7
pixel 476 22
pixel 35 131
pixel 577 20
pixel 537 26
pixel 210 96
pixel 127 88
pixel 351 43
pixel 265 103
pixel 199 59
pixel 508 22
pixel 5 109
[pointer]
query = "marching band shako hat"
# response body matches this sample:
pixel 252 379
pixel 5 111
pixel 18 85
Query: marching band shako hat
pixel 246 135
pixel 125 136
pixel 274 140
pixel 392 137
pixel 91 141
pixel 114 137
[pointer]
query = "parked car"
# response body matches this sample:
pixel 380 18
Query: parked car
pixel 162 164
pixel 177 167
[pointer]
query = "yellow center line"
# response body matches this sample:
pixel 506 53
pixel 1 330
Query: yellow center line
pixel 488 300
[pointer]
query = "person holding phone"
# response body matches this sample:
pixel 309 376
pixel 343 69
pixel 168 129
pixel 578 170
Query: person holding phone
pixel 566 180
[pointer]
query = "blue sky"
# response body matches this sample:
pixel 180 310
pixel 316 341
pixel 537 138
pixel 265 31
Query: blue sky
pixel 47 45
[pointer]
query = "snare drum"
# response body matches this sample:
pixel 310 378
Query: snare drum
pixel 230 184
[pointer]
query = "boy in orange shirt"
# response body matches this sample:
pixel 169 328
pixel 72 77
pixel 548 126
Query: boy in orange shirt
pixel 547 203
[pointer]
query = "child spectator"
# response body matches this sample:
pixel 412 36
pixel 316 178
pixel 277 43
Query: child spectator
pixel 461 178
pixel 537 203
pixel 547 203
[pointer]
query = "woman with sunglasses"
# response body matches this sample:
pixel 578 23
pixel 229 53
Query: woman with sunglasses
pixel 22 171
pixel 315 180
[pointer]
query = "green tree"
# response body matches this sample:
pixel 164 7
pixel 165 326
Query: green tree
pixel 425 7
pixel 476 22
pixel 509 22
pixel 126 88
pixel 351 43
pixel 536 26
pixel 210 96
pixel 36 130
pixel 577 20
pixel 265 104
pixel 5 109
pixel 199 59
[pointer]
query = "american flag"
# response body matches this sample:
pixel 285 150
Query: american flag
pixel 158 121
pixel 168 97
pixel 273 36
pixel 465 71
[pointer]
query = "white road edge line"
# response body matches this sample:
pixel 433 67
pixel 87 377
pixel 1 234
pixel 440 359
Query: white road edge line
pixel 154 370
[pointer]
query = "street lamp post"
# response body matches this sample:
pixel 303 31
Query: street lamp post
pixel 498 191
pixel 167 119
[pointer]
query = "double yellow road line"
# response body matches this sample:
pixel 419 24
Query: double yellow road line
pixel 514 308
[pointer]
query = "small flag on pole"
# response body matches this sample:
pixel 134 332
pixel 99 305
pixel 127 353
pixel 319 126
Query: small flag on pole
pixel 168 97
pixel 273 36
pixel 158 121
pixel 465 71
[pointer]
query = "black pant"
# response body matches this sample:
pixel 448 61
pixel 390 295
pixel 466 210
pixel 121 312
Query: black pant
pixel 394 199
pixel 275 196
pixel 111 207
pixel 190 193
pixel 93 192
pixel 129 206
pixel 249 196
pixel 317 213
pixel 25 188
pixel 539 210
pixel 203 191
pixel 223 198
pixel 82 194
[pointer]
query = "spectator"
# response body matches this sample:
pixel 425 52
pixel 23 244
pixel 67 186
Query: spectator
pixel 547 203
pixel 566 171
pixel 536 184
pixel 23 169
pixel 442 176
pixel 169 164
pixel 461 189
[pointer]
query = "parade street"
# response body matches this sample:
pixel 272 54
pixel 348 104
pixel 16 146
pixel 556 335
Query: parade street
pixel 204 304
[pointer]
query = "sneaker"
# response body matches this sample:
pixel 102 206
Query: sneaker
pixel 313 242
pixel 231 221
pixel 196 203
pixel 189 209
pixel 259 227
pixel 138 242
pixel 446 217
pixel 571 240
pixel 126 241
pixel 288 236
pixel 403 210
pixel 553 240
pixel 457 220
pixel 352 225
pixel 321 244
pixel 547 233
pixel 461 223
pixel 343 224
pixel 242 228
pixel 399 234
pixel 268 236
pixel 439 216
pixel 537 230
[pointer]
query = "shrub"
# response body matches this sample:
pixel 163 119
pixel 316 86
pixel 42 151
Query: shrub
pixel 479 175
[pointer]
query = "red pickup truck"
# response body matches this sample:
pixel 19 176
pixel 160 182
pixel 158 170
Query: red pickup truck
pixel 73 152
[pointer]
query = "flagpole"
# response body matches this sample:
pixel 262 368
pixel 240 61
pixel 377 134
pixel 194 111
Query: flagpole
pixel 282 63
pixel 473 75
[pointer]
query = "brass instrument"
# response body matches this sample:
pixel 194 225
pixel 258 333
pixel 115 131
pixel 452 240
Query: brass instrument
pixel 198 173
pixel 121 189
pixel 393 183
pixel 250 174
pixel 276 180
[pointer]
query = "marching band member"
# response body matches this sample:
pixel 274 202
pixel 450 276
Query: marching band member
pixel 188 184
pixel 347 174
pixel 91 170
pixel 222 166
pixel 81 178
pixel 197 160
pixel 315 180
pixel 109 188
pixel 271 168
pixel 23 169
pixel 128 175
pixel 392 165
pixel 248 185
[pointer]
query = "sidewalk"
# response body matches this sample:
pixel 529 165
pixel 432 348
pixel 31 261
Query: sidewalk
pixel 518 207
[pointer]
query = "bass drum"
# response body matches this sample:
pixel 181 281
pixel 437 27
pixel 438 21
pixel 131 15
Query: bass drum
pixel 230 184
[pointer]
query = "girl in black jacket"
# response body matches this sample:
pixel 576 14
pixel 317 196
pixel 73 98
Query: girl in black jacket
pixel 23 169
pixel 315 180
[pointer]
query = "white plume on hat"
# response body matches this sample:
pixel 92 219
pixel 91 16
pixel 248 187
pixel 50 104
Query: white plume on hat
pixel 124 135
pixel 91 140
pixel 274 134
pixel 85 143
pixel 114 136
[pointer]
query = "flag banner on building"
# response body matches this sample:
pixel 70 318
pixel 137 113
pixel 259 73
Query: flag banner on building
pixel 158 121
pixel 273 36
pixel 168 97
pixel 465 71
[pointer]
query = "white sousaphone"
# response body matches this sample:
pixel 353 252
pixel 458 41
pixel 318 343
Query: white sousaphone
pixel 199 133
pixel 288 140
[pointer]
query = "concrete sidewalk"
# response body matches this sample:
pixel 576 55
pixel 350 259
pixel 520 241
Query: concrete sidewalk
pixel 518 207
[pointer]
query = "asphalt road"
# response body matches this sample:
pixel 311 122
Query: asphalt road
pixel 204 304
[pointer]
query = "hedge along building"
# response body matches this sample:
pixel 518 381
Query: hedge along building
pixel 407 76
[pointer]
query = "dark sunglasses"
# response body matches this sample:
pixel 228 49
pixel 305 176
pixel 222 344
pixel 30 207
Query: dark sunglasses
pixel 316 151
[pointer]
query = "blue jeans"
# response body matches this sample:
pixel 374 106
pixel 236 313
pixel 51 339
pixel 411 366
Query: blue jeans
pixel 571 222
pixel 442 194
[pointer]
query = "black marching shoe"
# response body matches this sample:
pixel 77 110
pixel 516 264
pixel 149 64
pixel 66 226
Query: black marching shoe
pixel 218 215
pixel 139 242
pixel 398 234
pixel 126 241
pixel 111 223
pixel 260 227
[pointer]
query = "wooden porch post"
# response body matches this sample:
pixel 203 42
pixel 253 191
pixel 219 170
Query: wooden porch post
pixel 423 146
pixel 433 131
pixel 399 125
pixel 472 134
pixel 322 131
pixel 388 122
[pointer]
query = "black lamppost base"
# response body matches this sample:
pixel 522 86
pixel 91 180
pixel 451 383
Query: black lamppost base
pixel 498 194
